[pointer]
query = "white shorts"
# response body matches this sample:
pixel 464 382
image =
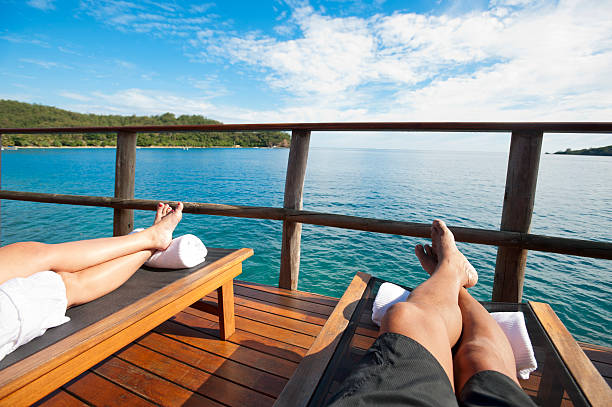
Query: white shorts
pixel 28 307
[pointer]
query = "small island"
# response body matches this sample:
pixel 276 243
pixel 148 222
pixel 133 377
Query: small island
pixel 607 150
pixel 14 114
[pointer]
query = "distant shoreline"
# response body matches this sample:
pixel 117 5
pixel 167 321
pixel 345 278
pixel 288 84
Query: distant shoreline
pixel 597 151
pixel 9 148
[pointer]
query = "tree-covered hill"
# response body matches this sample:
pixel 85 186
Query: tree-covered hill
pixel 15 114
pixel 607 150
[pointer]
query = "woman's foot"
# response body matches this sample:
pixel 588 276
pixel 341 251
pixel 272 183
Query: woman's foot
pixel 166 220
pixel 444 253
pixel 162 210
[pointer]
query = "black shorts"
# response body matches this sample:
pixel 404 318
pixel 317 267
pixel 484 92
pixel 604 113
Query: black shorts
pixel 398 371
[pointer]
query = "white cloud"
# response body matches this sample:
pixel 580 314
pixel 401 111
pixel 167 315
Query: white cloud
pixel 515 61
pixel 45 64
pixel 44 5
pixel 159 19
pixel 68 51
pixel 75 96
pixel 125 64
pixel 23 40
pixel 142 101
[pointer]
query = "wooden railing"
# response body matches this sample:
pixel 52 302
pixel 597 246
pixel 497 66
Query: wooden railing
pixel 513 240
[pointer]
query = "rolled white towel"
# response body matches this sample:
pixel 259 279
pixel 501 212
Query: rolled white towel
pixel 184 252
pixel 388 294
pixel 511 323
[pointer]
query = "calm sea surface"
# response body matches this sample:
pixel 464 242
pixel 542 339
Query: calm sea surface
pixel 574 199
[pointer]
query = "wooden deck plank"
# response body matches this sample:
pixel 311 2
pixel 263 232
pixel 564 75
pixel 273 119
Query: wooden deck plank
pixel 302 295
pixel 602 354
pixel 261 328
pixel 227 350
pixel 192 378
pixel 243 338
pixel 150 386
pixel 183 361
pixel 276 309
pixel 228 369
pixel 286 301
pixel 86 387
pixel 60 399
pixel 279 321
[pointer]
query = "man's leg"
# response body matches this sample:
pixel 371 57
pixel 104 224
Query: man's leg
pixel 483 346
pixel 485 371
pixel 431 315
pixel 26 258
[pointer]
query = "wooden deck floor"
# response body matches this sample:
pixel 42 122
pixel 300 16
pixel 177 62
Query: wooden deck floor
pixel 182 362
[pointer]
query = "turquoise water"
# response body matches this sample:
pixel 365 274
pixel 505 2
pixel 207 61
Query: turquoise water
pixel 574 199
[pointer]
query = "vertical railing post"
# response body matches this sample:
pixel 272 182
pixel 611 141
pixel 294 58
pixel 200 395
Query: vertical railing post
pixel 0 186
pixel 294 187
pixel 125 165
pixel 521 180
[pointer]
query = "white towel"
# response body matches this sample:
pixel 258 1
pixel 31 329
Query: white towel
pixel 388 294
pixel 184 252
pixel 511 323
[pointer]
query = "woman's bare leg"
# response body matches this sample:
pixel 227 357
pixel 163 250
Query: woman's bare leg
pixel 431 315
pixel 94 282
pixel 483 346
pixel 26 258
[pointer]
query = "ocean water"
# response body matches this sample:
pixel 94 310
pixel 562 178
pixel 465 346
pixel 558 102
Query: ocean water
pixel 573 199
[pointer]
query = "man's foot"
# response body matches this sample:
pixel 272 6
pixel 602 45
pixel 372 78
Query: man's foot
pixel 164 224
pixel 444 252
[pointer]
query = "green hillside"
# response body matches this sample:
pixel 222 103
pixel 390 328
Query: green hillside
pixel 18 114
pixel 588 151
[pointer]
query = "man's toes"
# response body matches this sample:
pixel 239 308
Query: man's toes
pixel 419 251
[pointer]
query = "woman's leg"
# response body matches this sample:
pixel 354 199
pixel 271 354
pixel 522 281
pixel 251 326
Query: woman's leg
pixel 26 258
pixel 431 315
pixel 94 282
pixel 483 346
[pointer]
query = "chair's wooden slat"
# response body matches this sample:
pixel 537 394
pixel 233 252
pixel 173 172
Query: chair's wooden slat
pixel 300 388
pixel 594 387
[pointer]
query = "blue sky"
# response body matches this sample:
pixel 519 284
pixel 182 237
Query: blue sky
pixel 310 61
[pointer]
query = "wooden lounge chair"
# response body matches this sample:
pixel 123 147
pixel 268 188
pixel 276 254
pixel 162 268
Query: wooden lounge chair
pixel 101 327
pixel 565 376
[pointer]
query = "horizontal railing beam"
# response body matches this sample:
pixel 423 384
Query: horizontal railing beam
pixel 546 127
pixel 576 247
